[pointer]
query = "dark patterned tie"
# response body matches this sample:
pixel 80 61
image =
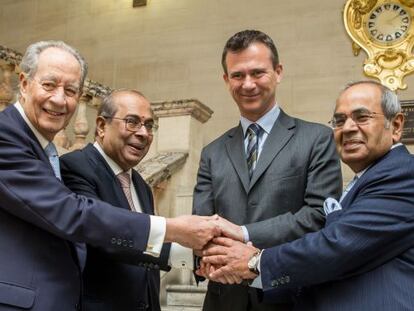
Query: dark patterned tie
pixel 125 181
pixel 253 133
pixel 53 159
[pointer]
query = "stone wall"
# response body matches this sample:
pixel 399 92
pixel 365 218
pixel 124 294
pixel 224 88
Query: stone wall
pixel 171 49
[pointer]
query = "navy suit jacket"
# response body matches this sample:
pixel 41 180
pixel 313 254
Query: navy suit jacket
pixel 40 221
pixel 364 257
pixel 109 284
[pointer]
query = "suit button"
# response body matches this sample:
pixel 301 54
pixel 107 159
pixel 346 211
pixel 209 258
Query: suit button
pixel 124 243
pixel 113 241
pixel 131 243
pixel 119 241
pixel 287 279
pixel 274 283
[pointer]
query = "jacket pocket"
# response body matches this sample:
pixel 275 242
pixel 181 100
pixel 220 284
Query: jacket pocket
pixel 17 296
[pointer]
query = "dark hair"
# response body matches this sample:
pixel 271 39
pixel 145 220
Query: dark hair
pixel 243 39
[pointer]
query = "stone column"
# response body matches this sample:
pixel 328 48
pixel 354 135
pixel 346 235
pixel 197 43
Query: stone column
pixel 180 129
pixel 81 127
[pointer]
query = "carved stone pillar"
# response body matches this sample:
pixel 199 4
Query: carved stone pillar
pixel 6 89
pixel 81 127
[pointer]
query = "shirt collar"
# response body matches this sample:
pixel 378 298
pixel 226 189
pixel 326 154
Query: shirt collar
pixel 112 164
pixel 43 141
pixel 266 122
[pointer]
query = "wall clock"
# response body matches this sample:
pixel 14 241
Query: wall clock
pixel 384 29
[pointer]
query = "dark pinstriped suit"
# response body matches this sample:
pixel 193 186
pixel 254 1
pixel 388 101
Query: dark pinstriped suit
pixel 363 259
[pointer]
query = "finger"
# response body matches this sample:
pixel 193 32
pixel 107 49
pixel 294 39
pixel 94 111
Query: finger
pixel 215 260
pixel 223 241
pixel 215 250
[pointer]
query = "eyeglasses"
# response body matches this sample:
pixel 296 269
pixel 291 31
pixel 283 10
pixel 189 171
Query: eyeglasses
pixel 134 124
pixel 360 117
pixel 51 87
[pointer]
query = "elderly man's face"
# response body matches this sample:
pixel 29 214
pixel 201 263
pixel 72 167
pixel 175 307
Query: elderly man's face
pixel 252 80
pixel 360 145
pixel 49 98
pixel 126 148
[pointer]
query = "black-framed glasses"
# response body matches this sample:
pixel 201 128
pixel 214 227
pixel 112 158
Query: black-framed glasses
pixel 134 124
pixel 360 117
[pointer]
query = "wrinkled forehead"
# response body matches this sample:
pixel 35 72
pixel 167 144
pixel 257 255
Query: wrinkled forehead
pixel 360 96
pixel 132 104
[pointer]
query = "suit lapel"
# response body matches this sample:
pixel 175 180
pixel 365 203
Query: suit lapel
pixel 237 155
pixel 107 177
pixel 279 136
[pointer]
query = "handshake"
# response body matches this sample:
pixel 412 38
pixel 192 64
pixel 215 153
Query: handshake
pixel 219 242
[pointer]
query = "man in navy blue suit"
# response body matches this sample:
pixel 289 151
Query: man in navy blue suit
pixel 105 170
pixel 363 259
pixel 43 223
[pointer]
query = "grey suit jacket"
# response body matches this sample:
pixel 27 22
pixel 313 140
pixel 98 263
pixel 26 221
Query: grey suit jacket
pixel 297 169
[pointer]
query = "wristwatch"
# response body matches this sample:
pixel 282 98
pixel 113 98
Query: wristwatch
pixel 254 261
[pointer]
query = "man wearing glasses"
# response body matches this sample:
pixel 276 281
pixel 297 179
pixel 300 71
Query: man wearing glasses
pixel 363 259
pixel 105 170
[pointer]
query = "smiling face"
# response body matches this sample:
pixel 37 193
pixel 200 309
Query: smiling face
pixel 50 111
pixel 126 148
pixel 360 145
pixel 252 80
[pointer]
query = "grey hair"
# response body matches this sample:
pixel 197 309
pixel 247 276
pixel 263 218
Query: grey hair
pixel 389 101
pixel 30 59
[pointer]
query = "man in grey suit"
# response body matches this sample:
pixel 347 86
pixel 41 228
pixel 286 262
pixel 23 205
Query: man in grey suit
pixel 268 176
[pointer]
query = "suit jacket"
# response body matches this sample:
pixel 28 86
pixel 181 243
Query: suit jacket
pixel 40 221
pixel 364 257
pixel 109 284
pixel 297 168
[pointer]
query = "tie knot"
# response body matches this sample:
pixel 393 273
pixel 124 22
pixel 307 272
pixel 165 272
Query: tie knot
pixel 124 179
pixel 254 129
pixel 51 150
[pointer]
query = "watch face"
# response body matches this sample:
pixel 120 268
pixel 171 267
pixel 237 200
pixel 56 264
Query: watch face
pixel 388 23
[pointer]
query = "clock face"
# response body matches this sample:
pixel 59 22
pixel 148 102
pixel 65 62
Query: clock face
pixel 388 23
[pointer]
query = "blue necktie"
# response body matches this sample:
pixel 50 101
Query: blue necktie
pixel 253 133
pixel 53 159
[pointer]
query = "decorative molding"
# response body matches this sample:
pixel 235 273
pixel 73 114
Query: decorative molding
pixel 182 107
pixel 161 167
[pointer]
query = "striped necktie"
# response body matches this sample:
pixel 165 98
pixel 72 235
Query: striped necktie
pixel 51 152
pixel 125 182
pixel 253 133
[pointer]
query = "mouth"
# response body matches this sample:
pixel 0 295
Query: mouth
pixel 137 148
pixel 351 144
pixel 54 113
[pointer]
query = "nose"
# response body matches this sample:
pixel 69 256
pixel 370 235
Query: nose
pixel 58 96
pixel 142 131
pixel 248 83
pixel 349 125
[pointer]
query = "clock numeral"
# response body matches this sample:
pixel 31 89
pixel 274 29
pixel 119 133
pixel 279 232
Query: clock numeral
pixel 371 24
pixel 373 16
pixel 388 38
pixel 397 35
pixel 379 9
pixel 380 37
pixel 374 32
pixel 405 20
pixel 395 7
pixel 402 12
pixel 387 6
pixel 404 28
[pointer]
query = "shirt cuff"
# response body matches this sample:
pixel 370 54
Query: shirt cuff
pixel 245 234
pixel 181 257
pixel 158 227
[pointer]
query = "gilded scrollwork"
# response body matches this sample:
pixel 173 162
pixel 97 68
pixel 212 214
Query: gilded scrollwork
pixel 361 7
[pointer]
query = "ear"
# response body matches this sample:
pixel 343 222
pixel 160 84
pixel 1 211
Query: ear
pixel 226 78
pixel 397 125
pixel 100 127
pixel 23 83
pixel 279 73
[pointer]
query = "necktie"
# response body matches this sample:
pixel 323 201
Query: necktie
pixel 348 187
pixel 51 152
pixel 125 181
pixel 253 133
